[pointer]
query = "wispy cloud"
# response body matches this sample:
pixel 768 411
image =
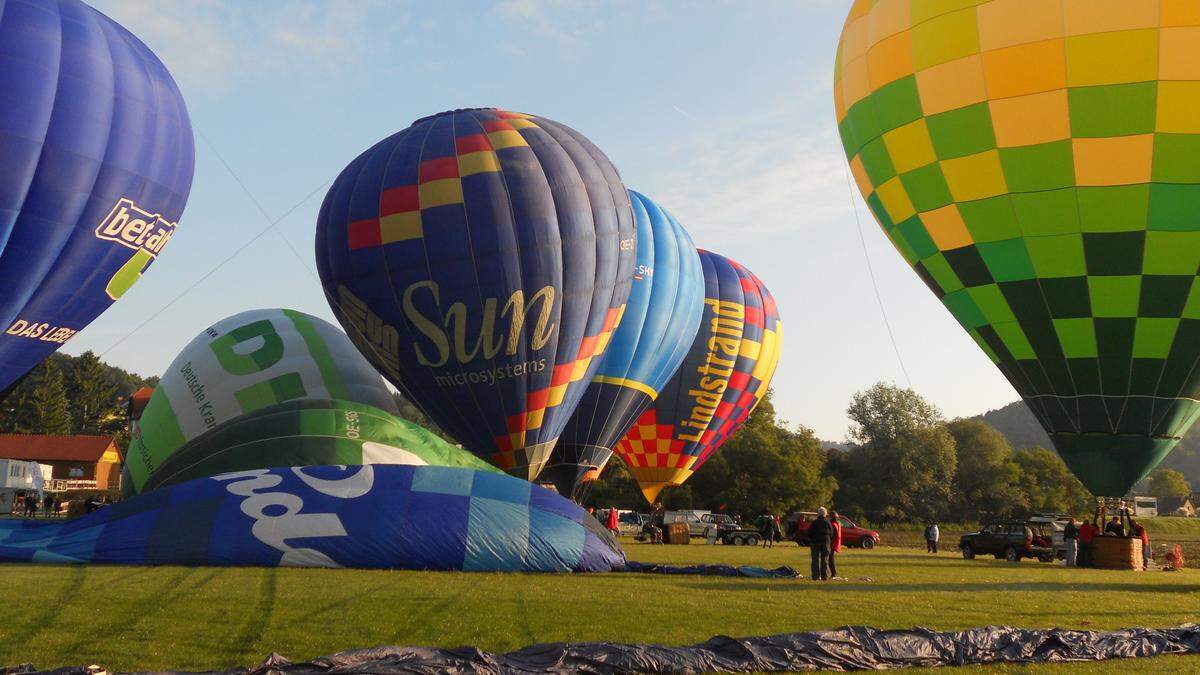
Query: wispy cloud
pixel 767 177
pixel 213 45
pixel 568 22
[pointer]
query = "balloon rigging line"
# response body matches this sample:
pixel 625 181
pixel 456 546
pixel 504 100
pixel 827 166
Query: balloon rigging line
pixel 237 179
pixel 217 267
pixel 871 272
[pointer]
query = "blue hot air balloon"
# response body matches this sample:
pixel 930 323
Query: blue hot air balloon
pixel 660 322
pixel 372 516
pixel 96 159
pixel 480 259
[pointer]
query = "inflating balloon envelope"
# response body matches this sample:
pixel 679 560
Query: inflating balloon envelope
pixel 481 260
pixel 374 516
pixel 726 372
pixel 96 160
pixel 654 335
pixel 243 363
pixel 309 432
pixel 1035 163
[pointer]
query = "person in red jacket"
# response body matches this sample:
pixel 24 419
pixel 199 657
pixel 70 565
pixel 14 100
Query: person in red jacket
pixel 835 543
pixel 612 523
pixel 1087 532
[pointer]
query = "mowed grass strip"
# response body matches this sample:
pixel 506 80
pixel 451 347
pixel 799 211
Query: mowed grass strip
pixel 209 618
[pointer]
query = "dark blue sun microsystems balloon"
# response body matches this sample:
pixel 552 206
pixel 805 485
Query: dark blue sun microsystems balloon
pixel 481 259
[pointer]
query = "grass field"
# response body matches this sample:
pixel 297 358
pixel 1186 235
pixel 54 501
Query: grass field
pixel 207 618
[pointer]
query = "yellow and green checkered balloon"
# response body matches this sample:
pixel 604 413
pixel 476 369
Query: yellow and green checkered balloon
pixel 1037 162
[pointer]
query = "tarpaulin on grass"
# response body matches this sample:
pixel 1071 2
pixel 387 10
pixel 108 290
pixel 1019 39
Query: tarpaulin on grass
pixel 783 572
pixel 850 648
pixel 374 516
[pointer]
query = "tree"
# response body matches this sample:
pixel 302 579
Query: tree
pixel 902 459
pixel 1048 485
pixel 40 403
pixel 1169 483
pixel 92 395
pixel 616 487
pixel 765 468
pixel 986 482
pixel 90 384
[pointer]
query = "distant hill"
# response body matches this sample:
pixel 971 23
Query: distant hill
pixel 1018 425
pixel 1022 429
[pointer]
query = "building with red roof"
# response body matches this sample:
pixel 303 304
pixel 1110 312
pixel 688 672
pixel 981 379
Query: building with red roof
pixel 83 458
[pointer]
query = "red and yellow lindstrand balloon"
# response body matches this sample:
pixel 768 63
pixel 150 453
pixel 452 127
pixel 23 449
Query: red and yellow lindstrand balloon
pixel 724 376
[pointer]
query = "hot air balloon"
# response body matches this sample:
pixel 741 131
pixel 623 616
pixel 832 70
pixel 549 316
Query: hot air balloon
pixel 655 333
pixel 309 432
pixel 96 159
pixel 240 364
pixel 375 516
pixel 723 377
pixel 481 260
pixel 1035 162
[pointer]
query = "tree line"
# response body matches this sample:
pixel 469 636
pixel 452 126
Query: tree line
pixel 904 462
pixel 71 395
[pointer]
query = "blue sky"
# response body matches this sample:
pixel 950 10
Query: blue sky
pixel 722 112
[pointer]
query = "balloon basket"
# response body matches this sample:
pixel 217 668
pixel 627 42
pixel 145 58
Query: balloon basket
pixel 1117 553
pixel 677 533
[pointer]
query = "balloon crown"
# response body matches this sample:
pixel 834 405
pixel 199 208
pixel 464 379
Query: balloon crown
pixel 453 112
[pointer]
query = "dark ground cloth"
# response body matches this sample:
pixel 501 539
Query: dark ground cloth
pixel 783 572
pixel 849 648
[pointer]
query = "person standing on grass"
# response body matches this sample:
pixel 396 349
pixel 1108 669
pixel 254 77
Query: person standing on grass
pixel 1087 533
pixel 612 522
pixel 1138 531
pixel 932 535
pixel 1070 543
pixel 820 537
pixel 835 542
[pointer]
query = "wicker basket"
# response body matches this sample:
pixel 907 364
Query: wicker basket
pixel 1117 553
pixel 677 533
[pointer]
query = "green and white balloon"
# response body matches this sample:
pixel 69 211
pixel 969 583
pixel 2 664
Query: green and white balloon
pixel 309 432
pixel 241 364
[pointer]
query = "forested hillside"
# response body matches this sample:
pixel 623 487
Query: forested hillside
pixel 71 395
pixel 1023 431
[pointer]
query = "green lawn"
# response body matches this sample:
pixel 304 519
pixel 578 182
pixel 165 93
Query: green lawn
pixel 208 618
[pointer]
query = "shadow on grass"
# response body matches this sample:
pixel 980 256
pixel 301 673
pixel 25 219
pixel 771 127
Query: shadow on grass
pixel 807 586
pixel 39 622
pixel 255 625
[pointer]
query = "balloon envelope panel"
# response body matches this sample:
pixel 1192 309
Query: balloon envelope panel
pixel 1035 163
pixel 245 362
pixel 96 160
pixel 656 331
pixel 308 432
pixel 481 260
pixel 723 377
pixel 375 516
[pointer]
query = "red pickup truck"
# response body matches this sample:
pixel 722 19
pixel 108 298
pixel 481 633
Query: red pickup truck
pixel 796 525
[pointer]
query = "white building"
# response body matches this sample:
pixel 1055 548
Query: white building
pixel 20 475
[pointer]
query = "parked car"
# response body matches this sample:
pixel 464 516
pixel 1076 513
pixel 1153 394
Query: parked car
pixel 729 532
pixel 795 527
pixel 698 523
pixel 630 523
pixel 1005 539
